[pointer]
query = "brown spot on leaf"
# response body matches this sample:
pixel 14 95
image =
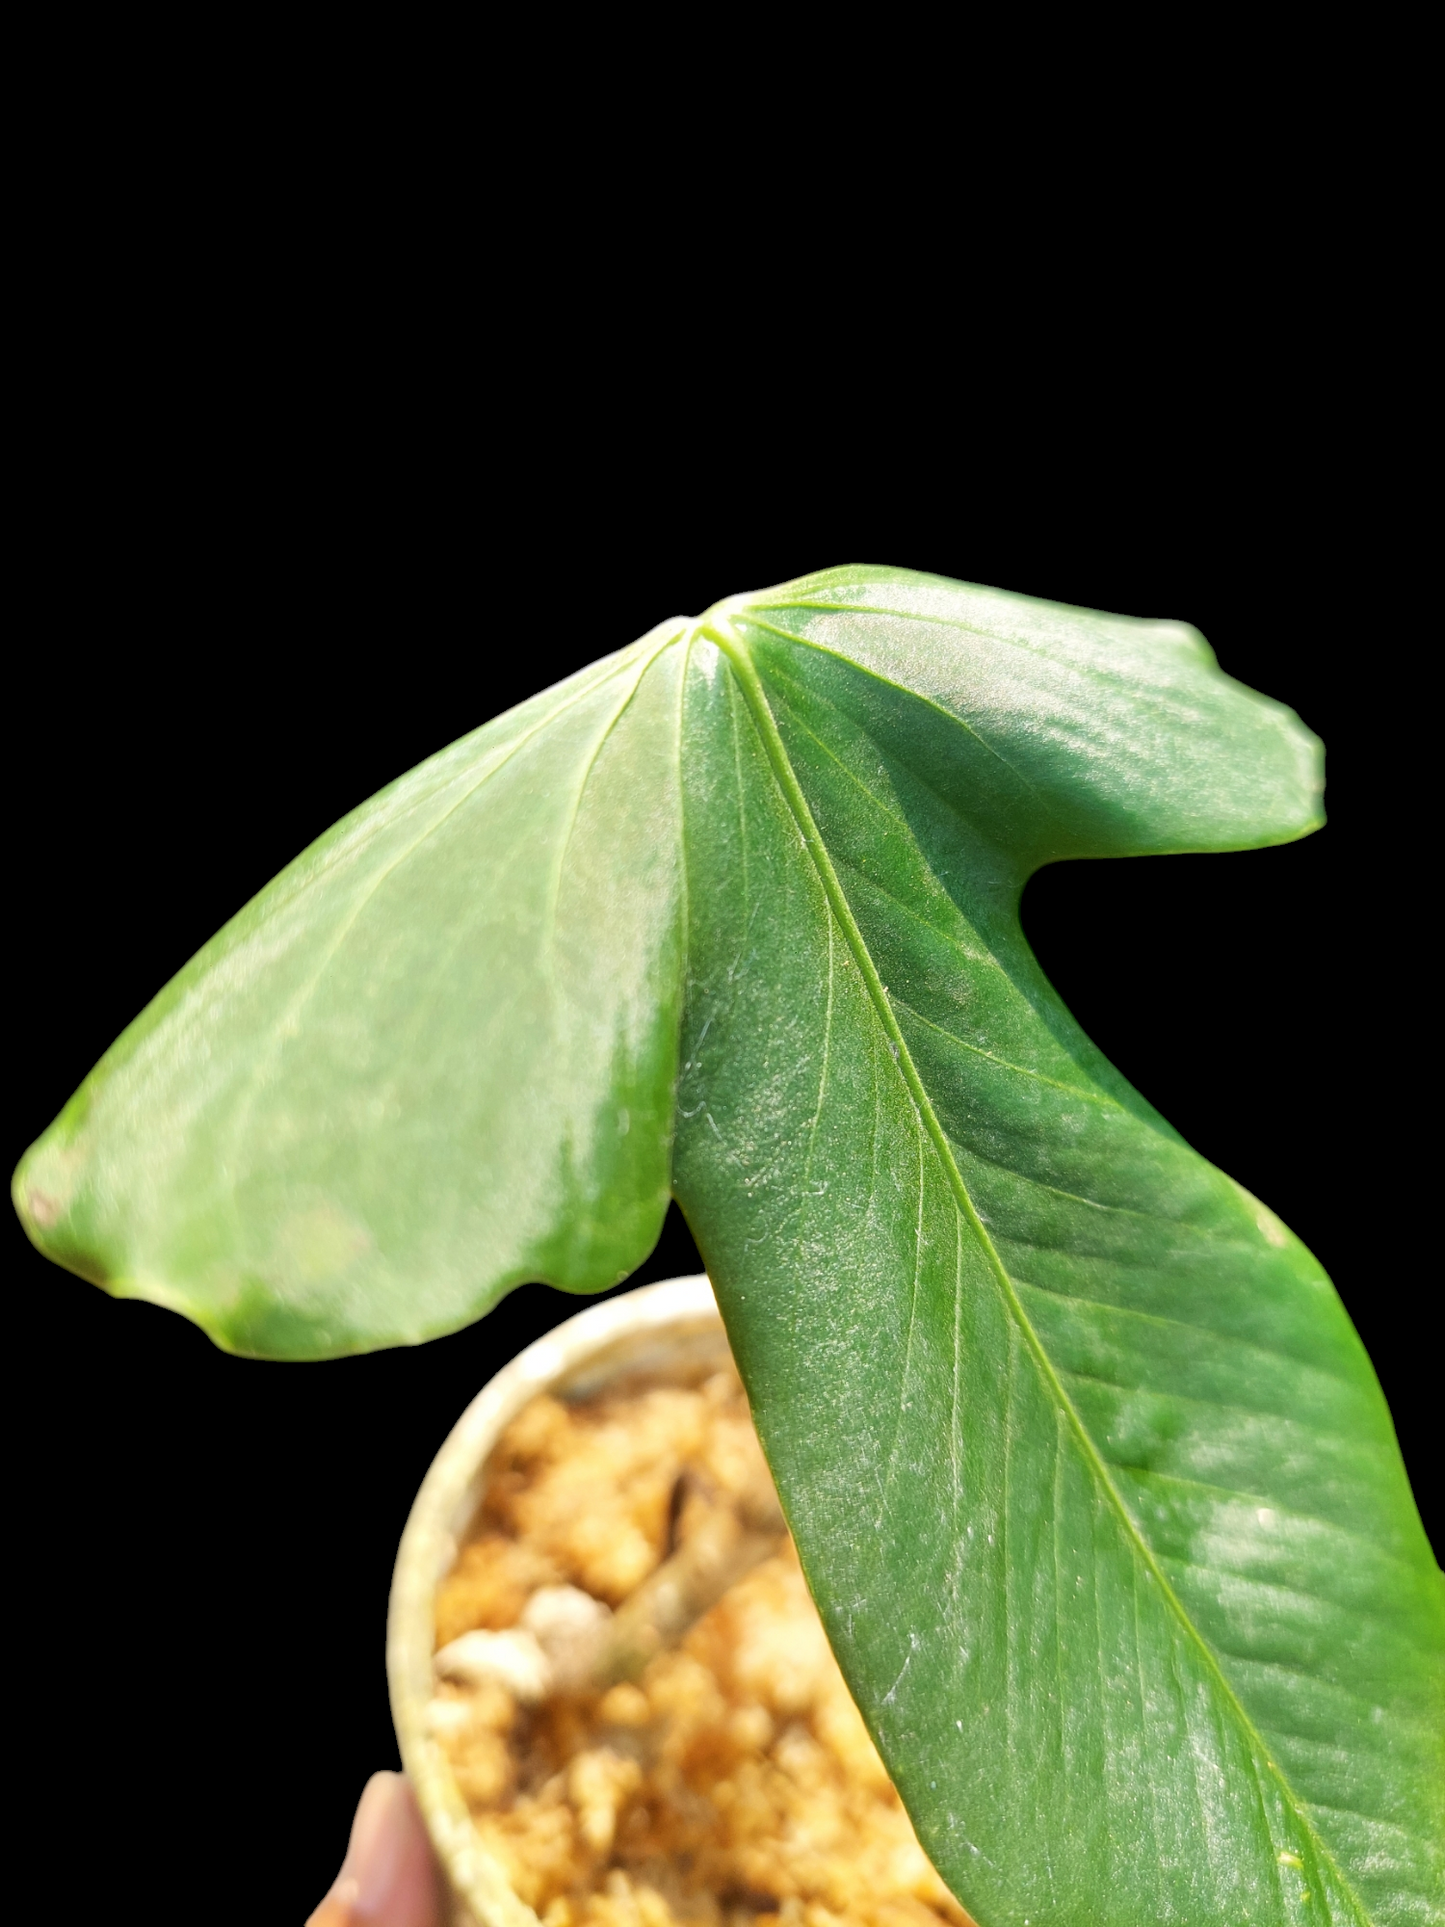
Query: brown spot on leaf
pixel 44 1209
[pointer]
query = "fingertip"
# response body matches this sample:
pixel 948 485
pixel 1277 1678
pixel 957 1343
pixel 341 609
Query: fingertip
pixel 389 1877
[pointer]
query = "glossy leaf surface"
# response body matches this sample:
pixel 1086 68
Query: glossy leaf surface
pixel 1092 1481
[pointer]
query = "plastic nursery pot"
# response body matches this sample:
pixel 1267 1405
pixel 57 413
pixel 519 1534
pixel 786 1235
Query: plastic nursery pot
pixel 670 1330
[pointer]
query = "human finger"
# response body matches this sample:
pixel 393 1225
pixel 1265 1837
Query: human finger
pixel 389 1877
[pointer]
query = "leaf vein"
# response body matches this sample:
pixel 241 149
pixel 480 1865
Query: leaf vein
pixel 751 686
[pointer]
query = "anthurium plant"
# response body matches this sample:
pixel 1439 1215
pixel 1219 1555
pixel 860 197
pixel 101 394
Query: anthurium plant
pixel 1090 1476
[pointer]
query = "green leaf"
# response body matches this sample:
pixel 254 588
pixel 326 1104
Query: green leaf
pixel 435 1058
pixel 1091 1478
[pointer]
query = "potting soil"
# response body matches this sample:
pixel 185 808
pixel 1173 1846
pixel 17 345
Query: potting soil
pixel 733 1784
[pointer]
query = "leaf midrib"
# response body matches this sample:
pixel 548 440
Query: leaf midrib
pixel 718 630
pixel 1138 1106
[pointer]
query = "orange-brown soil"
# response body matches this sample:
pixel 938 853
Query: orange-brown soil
pixel 733 1784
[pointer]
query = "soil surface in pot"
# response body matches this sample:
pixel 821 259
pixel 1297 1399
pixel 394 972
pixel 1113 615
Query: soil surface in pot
pixel 732 1781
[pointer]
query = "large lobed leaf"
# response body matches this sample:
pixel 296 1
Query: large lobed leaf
pixel 1093 1483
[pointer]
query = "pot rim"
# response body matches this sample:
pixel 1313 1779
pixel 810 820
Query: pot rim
pixel 440 1513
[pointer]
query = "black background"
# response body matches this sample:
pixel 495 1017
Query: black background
pixel 255 587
